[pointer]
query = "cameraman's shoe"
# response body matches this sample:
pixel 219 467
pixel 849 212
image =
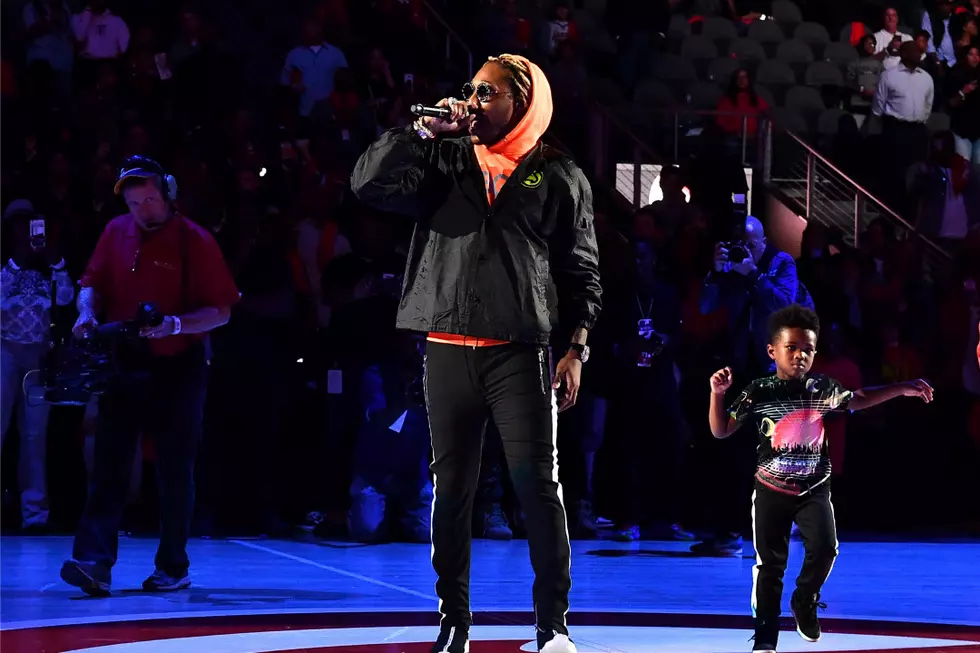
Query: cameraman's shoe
pixel 161 581
pixel 92 578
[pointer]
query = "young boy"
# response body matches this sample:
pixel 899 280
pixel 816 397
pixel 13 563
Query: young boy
pixel 792 479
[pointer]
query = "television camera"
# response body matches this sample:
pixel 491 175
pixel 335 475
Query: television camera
pixel 75 370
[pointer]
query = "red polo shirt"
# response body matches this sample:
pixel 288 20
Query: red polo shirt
pixel 130 266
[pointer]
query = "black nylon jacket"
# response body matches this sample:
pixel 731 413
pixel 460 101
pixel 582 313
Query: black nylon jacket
pixel 517 270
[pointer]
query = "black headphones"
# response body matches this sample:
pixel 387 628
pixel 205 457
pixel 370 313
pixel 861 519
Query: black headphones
pixel 141 167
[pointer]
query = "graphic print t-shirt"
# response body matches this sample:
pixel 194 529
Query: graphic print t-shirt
pixel 788 417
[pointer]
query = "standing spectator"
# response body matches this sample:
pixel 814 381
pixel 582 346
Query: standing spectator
pixel 151 254
pixel 862 75
pixel 888 39
pixel 310 67
pixel 903 101
pixel 947 193
pixel 26 282
pixel 928 62
pixel 964 102
pixel 50 39
pixel 963 32
pixel 100 33
pixel 742 106
pixel 560 29
pixel 936 22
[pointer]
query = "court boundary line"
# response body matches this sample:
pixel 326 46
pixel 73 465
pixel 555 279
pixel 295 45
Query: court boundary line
pixel 335 570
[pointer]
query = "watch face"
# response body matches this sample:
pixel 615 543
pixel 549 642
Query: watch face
pixel 584 353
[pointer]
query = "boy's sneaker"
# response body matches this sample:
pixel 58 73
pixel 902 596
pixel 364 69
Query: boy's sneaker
pixel 452 639
pixel 161 581
pixel 805 612
pixel 766 636
pixel 630 533
pixel 719 546
pixel 550 641
pixel 91 578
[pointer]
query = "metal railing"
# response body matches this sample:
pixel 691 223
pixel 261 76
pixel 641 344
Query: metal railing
pixel 454 42
pixel 823 192
pixel 621 156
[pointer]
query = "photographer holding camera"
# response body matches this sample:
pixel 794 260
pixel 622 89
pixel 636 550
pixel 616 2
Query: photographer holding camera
pixel 151 255
pixel 33 281
pixel 752 279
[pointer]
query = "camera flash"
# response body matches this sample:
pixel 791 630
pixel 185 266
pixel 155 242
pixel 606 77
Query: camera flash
pixel 262 172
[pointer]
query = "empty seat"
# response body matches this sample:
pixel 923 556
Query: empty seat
pixel 595 7
pixel 720 71
pixel 699 48
pixel 840 53
pixel 775 73
pixel 670 67
pixel 778 76
pixel 653 94
pixel 721 30
pixel 806 101
pixel 829 120
pixel 938 122
pixel 747 51
pixel 677 31
pixel 765 94
pixel 703 95
pixel 786 13
pixel 606 91
pixel 768 33
pixel 797 54
pixel 814 35
pixel 824 73
pixel 790 120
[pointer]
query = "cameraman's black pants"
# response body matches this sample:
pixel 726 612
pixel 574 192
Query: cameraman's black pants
pixel 464 386
pixel 169 404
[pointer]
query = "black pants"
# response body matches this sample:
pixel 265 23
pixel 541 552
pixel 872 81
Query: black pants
pixel 464 386
pixel 169 404
pixel 773 514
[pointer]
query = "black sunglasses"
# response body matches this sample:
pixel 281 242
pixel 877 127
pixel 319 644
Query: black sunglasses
pixel 484 92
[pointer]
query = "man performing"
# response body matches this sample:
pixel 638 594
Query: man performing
pixel 492 266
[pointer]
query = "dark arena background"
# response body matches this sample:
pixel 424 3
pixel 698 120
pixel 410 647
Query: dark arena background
pixel 311 513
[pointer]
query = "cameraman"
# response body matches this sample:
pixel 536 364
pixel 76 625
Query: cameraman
pixel 752 279
pixel 150 255
pixel 33 275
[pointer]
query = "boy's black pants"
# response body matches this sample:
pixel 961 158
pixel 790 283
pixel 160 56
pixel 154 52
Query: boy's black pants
pixel 464 386
pixel 773 514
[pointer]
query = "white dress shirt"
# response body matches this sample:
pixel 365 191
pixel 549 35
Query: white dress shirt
pixel 904 94
pixel 946 51
pixel 883 39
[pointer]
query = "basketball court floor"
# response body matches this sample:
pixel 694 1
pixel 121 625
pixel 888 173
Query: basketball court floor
pixel 261 596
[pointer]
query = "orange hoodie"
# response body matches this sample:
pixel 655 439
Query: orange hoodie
pixel 499 160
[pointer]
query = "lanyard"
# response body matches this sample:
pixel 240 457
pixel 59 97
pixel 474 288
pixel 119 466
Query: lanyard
pixel 645 316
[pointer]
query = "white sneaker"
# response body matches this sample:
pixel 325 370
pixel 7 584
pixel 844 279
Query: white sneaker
pixel 559 644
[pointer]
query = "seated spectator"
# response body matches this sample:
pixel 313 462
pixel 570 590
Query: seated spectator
pixel 964 103
pixel 741 105
pixel 963 32
pixel 391 494
pixel 862 75
pixel 888 39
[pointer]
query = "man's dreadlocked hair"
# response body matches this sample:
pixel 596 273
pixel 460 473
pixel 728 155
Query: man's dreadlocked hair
pixel 520 76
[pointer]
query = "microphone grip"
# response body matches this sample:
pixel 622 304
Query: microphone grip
pixel 429 112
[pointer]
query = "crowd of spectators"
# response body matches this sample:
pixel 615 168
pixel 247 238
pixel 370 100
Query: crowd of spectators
pixel 315 416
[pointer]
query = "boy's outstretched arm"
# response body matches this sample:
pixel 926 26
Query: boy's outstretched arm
pixel 868 397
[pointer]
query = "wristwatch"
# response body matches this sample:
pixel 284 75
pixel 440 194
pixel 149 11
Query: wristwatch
pixel 582 350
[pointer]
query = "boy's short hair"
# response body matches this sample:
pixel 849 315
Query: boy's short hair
pixel 922 34
pixel 793 316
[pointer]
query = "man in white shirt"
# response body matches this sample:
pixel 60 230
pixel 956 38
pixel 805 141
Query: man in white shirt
pixel 100 33
pixel 888 39
pixel 903 103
